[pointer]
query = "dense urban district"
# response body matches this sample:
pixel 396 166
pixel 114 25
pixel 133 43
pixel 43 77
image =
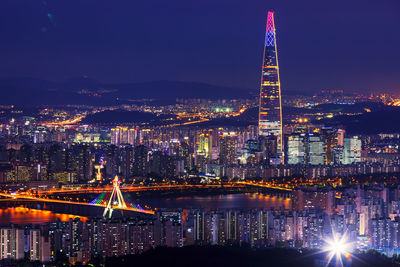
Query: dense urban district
pixel 323 169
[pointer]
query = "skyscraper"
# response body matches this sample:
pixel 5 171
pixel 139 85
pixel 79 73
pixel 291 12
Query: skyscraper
pixel 123 135
pixel 270 113
pixel 227 148
pixel 11 243
pixel 140 161
pixel 352 150
pixel 295 149
pixel 315 149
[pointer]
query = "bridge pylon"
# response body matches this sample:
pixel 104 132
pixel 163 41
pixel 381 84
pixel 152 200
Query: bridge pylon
pixel 116 199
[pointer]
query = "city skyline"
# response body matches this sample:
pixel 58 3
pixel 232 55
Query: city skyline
pixel 114 172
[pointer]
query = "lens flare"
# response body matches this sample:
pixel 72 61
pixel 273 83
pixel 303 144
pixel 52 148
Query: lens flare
pixel 338 249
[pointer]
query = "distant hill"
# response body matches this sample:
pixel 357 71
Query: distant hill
pixel 32 92
pixel 351 108
pixel 249 117
pixel 382 121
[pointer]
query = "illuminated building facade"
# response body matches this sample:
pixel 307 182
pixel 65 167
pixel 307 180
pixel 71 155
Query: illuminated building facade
pixel 123 135
pixel 11 243
pixel 315 149
pixel 296 149
pixel 270 113
pixel 305 149
pixel 184 153
pixel 39 245
pixel 352 150
pixel 204 145
pixel 227 148
pixel 330 138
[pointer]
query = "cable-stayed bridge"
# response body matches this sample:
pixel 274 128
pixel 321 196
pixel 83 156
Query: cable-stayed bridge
pixel 110 201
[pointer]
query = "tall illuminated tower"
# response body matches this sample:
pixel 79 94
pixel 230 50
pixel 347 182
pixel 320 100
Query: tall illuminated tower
pixel 270 113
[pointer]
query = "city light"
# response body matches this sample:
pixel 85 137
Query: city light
pixel 338 248
pixel 99 172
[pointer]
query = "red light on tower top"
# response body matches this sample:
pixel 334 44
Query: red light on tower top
pixel 270 22
pixel 270 32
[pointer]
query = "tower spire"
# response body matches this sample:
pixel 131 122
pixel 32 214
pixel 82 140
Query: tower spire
pixel 270 32
pixel 270 112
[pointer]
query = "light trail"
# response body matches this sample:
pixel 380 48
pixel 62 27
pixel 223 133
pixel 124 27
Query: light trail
pixel 132 188
pixel 185 123
pixel 26 197
pixel 160 187
pixel 266 186
pixel 66 122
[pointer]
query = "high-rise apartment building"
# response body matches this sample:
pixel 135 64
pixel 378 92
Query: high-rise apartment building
pixel 11 243
pixel 140 160
pixel 204 145
pixel 39 245
pixel 305 149
pixel 352 150
pixel 227 148
pixel 315 149
pixel 123 135
pixel 295 149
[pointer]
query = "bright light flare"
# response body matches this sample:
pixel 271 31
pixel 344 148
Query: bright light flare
pixel 338 248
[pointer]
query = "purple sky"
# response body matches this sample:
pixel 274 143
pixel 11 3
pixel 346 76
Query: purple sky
pixel 341 44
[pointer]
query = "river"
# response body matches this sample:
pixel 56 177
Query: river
pixel 226 201
pixel 242 201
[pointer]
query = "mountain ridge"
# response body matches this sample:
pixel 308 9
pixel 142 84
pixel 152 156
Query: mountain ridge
pixel 31 91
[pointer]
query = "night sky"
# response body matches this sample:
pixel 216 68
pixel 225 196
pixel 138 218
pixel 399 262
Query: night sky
pixel 337 44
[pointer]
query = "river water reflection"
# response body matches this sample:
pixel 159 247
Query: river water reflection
pixel 227 201
pixel 245 201
pixel 23 216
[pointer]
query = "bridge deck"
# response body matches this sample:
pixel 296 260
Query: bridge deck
pixel 32 198
pixel 83 190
